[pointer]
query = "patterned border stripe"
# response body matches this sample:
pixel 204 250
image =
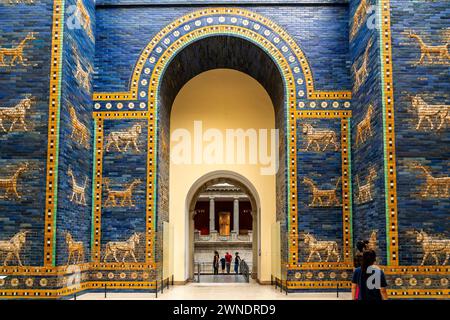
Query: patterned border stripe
pixel 324 114
pixel 319 284
pixel 150 224
pixel 389 134
pixel 419 293
pixel 97 199
pixel 346 195
pixel 57 293
pixel 54 294
pixel 350 183
pixel 53 133
pixel 93 266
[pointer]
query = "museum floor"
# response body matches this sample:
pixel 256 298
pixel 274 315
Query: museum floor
pixel 218 291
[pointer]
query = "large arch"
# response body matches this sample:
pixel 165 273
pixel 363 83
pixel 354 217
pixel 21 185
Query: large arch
pixel 203 54
pixel 145 85
pixel 145 95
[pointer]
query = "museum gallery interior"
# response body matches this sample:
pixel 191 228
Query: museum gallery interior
pixel 109 176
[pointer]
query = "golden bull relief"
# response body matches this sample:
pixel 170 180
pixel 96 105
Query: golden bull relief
pixel 13 246
pixel 364 192
pixel 319 137
pixel 74 248
pixel 433 247
pixel 373 242
pixel 315 247
pixel 12 2
pixel 81 74
pixel 15 54
pixel 433 187
pixel 80 132
pixel 127 247
pixel 9 185
pixel 428 112
pixel 359 17
pixel 364 128
pixel 84 18
pixel 362 72
pixel 124 138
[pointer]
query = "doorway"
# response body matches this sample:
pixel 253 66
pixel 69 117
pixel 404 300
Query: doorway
pixel 224 213
pixel 220 99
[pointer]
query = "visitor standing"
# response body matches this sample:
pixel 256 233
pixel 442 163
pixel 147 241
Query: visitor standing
pixel 369 281
pixel 216 262
pixel 228 258
pixel 222 262
pixel 361 246
pixel 237 262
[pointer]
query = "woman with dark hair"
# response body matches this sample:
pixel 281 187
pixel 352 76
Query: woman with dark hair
pixel 361 246
pixel 237 262
pixel 369 282
pixel 216 262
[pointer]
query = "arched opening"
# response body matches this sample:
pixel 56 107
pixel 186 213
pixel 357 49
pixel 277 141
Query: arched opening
pixel 266 93
pixel 220 242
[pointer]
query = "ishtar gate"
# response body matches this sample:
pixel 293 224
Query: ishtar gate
pixel 338 111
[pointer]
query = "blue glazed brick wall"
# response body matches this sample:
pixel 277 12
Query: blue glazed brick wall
pixel 72 216
pixel 321 28
pixel 20 146
pixel 321 32
pixel 207 2
pixel 325 221
pixel 423 146
pixel 122 168
pixel 368 215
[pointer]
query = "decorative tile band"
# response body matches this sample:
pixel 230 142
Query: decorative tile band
pixel 350 183
pixel 91 285
pixel 53 133
pixel 97 190
pixel 390 169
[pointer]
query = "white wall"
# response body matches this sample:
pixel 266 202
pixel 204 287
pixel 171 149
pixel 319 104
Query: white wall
pixel 222 99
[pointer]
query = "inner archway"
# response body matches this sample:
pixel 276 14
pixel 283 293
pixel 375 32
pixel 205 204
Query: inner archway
pixel 220 99
pixel 218 187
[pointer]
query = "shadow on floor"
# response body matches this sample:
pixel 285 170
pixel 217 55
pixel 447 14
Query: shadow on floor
pixel 221 278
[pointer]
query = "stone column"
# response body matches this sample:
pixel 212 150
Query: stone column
pixel 236 218
pixel 212 212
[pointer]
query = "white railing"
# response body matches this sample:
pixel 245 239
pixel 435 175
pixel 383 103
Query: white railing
pixel 215 237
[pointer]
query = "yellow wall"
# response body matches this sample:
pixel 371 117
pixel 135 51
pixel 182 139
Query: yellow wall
pixel 222 99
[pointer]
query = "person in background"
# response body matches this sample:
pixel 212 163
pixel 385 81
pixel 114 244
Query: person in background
pixel 361 246
pixel 216 262
pixel 228 258
pixel 222 262
pixel 237 261
pixel 369 282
